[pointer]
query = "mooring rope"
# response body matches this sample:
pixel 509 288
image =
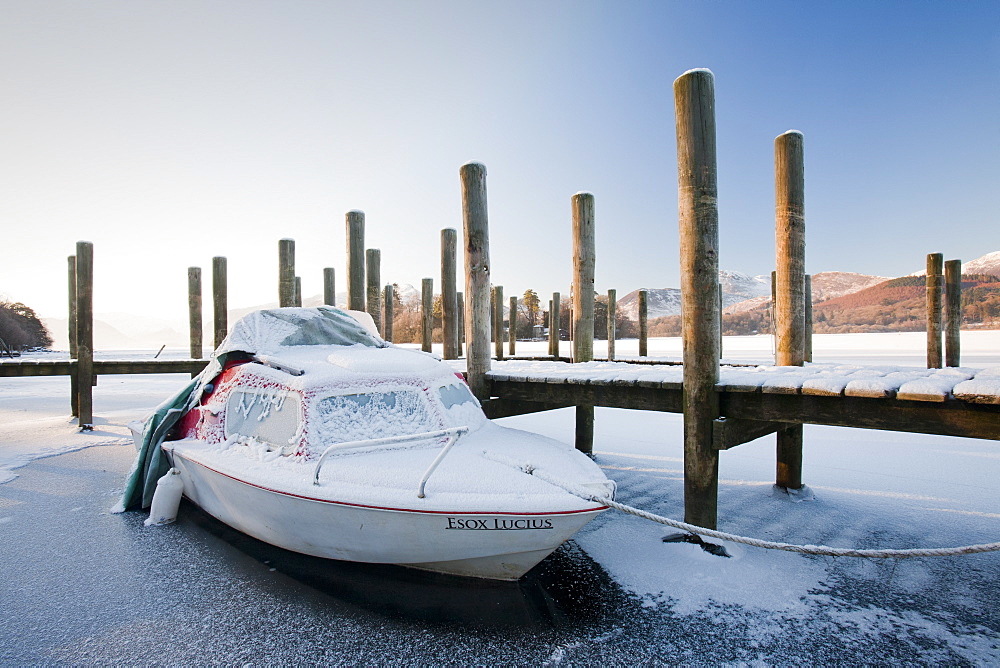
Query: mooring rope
pixel 755 542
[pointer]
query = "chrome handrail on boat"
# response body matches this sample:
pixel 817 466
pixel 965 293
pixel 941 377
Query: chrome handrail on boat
pixel 452 433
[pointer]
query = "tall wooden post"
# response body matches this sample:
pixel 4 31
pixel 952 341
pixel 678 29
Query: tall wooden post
pixel 388 297
pixel 194 312
pixel 460 300
pixel 498 321
pixel 934 282
pixel 74 390
pixel 220 299
pixel 426 314
pixel 85 377
pixel 286 272
pixel 612 314
pixel 373 271
pixel 449 292
pixel 790 243
pixel 356 260
pixel 953 312
pixel 583 306
pixel 789 307
pixel 694 101
pixel 643 323
pixel 477 276
pixel 583 277
pixel 809 318
pixel 329 286
pixel 554 324
pixel 512 326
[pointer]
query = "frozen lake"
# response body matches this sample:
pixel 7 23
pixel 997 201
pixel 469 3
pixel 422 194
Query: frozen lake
pixel 80 585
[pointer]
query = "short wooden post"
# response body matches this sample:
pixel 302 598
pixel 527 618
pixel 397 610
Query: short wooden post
pixel 298 291
pixel 329 286
pixel 388 297
pixel 953 312
pixel 789 307
pixel 85 378
pixel 583 277
pixel 356 260
pixel 194 312
pixel 643 323
pixel 477 276
pixel 74 391
pixel 426 314
pixel 809 318
pixel 286 272
pixel 694 102
pixel 934 282
pixel 612 329
pixel 449 293
pixel 554 324
pixel 512 326
pixel 498 321
pixel 373 271
pixel 460 300
pixel 220 299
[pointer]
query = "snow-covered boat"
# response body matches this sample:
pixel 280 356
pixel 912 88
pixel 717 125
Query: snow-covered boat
pixel 310 432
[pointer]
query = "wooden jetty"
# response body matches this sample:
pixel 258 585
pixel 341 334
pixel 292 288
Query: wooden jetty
pixel 723 405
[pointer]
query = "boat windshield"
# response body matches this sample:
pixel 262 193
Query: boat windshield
pixel 358 417
pixel 270 416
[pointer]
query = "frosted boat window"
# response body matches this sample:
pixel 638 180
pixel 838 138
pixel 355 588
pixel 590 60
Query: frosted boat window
pixel 358 417
pixel 270 417
pixel 453 395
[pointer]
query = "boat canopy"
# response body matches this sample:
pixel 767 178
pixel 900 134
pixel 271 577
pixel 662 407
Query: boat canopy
pixel 263 332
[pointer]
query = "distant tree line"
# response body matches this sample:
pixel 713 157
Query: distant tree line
pixel 20 328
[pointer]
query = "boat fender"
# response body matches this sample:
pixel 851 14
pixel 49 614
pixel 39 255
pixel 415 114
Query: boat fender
pixel 166 499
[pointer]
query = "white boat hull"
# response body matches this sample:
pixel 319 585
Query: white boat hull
pixel 501 546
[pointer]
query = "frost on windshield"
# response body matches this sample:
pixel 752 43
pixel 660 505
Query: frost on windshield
pixel 461 408
pixel 358 417
pixel 270 416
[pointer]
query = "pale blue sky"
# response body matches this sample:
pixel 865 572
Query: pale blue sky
pixel 169 132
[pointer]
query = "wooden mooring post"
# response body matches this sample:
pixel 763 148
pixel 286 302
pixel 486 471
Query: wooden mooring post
pixel 512 325
pixel 356 260
pixel 220 300
pixel 388 295
pixel 286 272
pixel 460 300
pixel 934 283
pixel 554 325
pixel 373 273
pixel 426 314
pixel 808 356
pixel 298 291
pixel 694 101
pixel 643 323
pixel 449 293
pixel 477 276
pixel 612 314
pixel 194 313
pixel 85 378
pixel 584 257
pixel 953 312
pixel 74 390
pixel 790 299
pixel 497 302
pixel 329 286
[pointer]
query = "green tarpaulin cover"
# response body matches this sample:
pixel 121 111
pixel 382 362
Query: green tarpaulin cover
pixel 258 333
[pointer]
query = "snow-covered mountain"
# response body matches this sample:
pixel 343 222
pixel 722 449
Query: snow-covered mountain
pixel 987 264
pixel 736 287
pixel 831 284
